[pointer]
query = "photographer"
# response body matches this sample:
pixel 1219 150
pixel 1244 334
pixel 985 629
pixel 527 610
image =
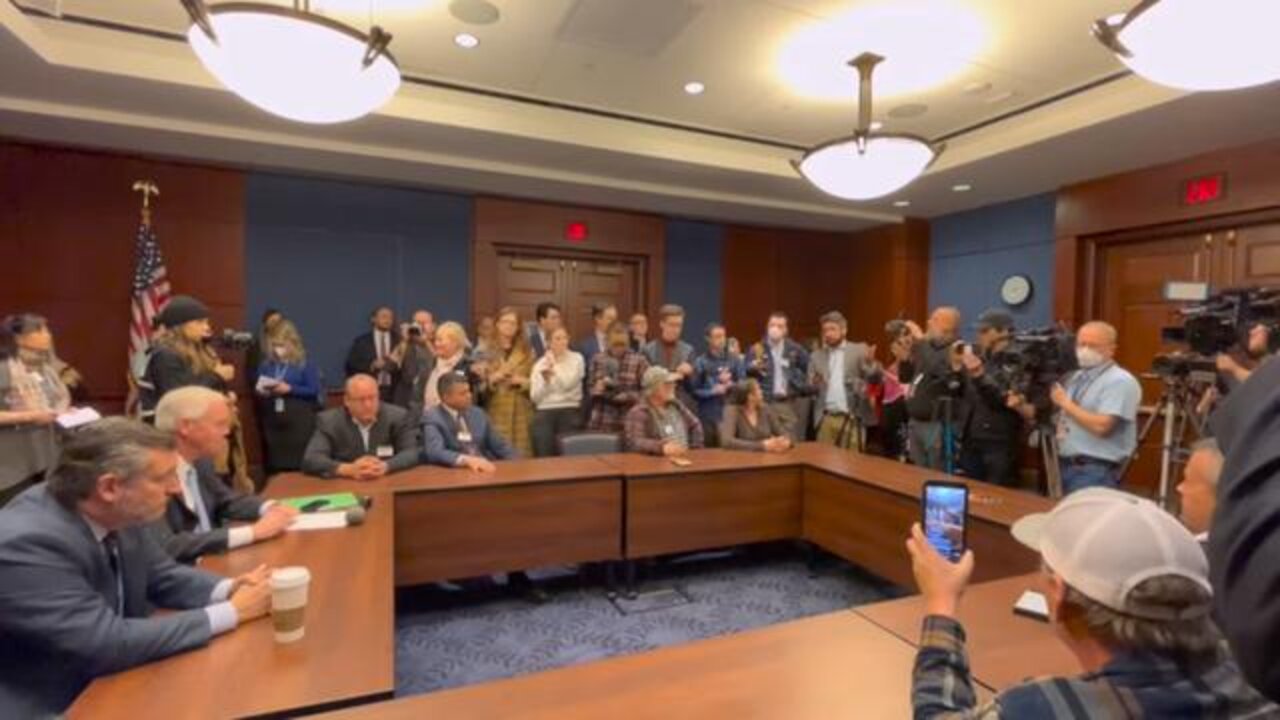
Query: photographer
pixel 935 359
pixel 1257 348
pixel 996 414
pixel 1098 410
pixel 414 357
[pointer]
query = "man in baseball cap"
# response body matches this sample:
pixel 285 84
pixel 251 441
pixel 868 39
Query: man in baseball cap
pixel 1128 593
pixel 659 424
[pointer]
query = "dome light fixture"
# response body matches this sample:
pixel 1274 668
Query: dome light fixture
pixel 292 62
pixel 1197 45
pixel 868 164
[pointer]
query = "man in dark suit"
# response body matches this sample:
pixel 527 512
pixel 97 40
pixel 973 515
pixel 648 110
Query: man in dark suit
pixel 548 318
pixel 373 352
pixel 79 574
pixel 603 315
pixel 363 440
pixel 196 519
pixel 459 434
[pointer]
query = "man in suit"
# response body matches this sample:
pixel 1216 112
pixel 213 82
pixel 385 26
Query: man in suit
pixel 458 434
pixel 672 353
pixel 782 367
pixel 196 519
pixel 363 440
pixel 840 372
pixel 372 352
pixel 79 574
pixel 548 318
pixel 603 315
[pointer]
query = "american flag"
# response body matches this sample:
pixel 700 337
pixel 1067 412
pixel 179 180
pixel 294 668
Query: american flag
pixel 150 290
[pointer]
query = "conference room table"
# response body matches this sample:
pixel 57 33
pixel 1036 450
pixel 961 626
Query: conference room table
pixel 429 524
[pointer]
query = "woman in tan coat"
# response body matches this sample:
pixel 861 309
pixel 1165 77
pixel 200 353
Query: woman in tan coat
pixel 507 380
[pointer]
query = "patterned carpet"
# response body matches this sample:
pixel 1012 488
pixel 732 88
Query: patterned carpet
pixel 452 636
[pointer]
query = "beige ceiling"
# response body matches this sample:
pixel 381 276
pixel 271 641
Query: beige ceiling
pixel 600 71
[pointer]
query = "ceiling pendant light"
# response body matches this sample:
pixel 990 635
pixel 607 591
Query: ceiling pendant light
pixel 867 164
pixel 292 62
pixel 1197 45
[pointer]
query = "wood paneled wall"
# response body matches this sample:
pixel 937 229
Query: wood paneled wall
pixel 68 221
pixel 1148 198
pixel 870 276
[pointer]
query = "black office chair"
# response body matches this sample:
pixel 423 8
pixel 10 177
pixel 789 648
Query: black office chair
pixel 589 443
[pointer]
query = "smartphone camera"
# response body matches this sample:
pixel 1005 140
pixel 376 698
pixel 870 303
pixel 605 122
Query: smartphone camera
pixel 945 510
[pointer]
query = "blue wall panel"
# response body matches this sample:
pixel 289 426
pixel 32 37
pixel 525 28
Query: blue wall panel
pixel 693 275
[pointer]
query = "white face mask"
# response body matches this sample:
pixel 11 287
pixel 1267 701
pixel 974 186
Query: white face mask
pixel 1088 357
pixel 280 351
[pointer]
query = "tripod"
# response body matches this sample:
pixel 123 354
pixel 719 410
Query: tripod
pixel 1176 407
pixel 1048 442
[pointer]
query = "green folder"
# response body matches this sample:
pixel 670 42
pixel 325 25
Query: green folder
pixel 332 501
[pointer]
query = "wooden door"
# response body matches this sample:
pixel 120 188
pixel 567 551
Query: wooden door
pixel 1254 255
pixel 572 282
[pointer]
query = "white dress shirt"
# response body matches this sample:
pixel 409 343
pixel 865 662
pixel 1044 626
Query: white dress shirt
pixel 237 536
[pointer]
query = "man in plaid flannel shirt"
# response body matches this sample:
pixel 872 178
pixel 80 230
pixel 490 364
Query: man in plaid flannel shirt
pixel 1128 593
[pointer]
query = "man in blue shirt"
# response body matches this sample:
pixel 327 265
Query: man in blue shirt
pixel 1098 410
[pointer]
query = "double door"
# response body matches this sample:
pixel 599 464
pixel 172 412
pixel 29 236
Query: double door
pixel 574 282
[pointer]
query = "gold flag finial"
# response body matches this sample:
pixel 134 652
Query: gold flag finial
pixel 147 188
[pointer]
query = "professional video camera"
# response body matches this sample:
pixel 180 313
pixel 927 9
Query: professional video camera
pixel 230 339
pixel 1222 322
pixel 1036 359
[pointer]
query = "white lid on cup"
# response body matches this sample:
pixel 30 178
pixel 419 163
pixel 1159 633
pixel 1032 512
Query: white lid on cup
pixel 292 576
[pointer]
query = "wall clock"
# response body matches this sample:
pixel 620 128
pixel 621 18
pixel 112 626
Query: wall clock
pixel 1015 290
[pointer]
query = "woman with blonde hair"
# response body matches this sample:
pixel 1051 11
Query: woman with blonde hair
pixel 453 354
pixel 507 381
pixel 288 391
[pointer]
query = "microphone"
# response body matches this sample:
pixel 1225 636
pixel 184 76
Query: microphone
pixel 355 515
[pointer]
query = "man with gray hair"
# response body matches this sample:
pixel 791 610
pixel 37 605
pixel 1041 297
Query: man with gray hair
pixel 840 372
pixel 197 519
pixel 79 574
pixel 1097 412
pixel 1128 593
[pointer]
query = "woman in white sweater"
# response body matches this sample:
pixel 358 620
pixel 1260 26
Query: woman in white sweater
pixel 556 391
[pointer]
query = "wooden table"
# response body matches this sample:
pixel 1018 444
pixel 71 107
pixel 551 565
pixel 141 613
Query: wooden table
pixel 454 523
pixel 1004 648
pixel 346 657
pixel 837 665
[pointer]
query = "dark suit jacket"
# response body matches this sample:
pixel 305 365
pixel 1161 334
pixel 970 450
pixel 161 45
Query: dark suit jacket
pixel 535 342
pixel 440 435
pixel 58 623
pixel 589 347
pixel 337 440
pixel 177 532
pixel 362 354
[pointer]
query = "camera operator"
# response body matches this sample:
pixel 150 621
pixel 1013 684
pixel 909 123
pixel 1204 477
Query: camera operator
pixel 414 357
pixel 996 414
pixel 1256 348
pixel 1098 410
pixel 935 360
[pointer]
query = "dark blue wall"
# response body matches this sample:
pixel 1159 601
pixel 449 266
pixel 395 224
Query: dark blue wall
pixel 693 275
pixel 327 253
pixel 972 252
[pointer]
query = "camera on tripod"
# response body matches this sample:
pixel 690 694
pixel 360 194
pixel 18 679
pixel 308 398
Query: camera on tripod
pixel 1036 359
pixel 1218 324
pixel 230 339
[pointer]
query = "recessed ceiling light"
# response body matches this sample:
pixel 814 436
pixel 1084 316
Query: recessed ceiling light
pixel 695 88
pixel 466 40
pixel 962 187
pixel 902 203
pixel 877 125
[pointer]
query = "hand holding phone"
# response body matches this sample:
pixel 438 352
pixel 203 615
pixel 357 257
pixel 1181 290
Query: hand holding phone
pixel 945 517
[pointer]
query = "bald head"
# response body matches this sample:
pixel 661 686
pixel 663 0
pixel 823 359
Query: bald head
pixel 1099 336
pixel 944 323
pixel 361 398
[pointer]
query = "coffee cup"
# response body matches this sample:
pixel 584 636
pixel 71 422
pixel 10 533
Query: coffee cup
pixel 289 602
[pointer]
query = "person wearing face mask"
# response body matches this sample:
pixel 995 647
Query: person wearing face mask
pixel 1097 412
pixel 781 366
pixel 288 391
pixel 936 360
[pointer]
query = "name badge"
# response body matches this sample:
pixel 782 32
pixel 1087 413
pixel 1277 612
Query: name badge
pixel 464 436
pixel 385 451
pixel 668 430
pixel 785 363
pixel 279 404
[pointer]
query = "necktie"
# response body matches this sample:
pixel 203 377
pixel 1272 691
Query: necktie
pixel 111 546
pixel 192 483
pixel 465 439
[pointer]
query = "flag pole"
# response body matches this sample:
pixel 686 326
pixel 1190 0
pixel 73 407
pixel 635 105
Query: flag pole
pixel 148 188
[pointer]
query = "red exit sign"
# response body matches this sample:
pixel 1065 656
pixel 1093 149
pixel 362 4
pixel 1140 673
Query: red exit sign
pixel 1206 189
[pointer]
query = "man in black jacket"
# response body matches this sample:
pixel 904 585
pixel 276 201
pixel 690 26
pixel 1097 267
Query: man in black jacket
pixel 197 519
pixel 995 414
pixel 1245 541
pixel 936 389
pixel 373 352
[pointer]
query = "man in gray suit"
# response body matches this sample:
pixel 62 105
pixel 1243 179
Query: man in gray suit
pixel 363 440
pixel 196 519
pixel 840 371
pixel 79 574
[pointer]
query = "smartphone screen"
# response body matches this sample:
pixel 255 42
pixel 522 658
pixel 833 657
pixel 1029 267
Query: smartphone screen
pixel 946 514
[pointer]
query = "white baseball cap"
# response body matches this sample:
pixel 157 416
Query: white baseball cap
pixel 657 375
pixel 1105 542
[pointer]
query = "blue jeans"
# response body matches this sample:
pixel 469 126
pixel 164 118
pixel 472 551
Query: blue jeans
pixel 1089 474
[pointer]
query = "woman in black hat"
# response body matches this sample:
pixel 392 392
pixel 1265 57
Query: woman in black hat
pixel 180 354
